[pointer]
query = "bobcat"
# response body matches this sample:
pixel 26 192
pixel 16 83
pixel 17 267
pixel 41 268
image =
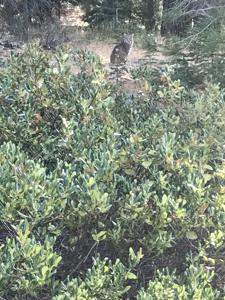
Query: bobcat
pixel 122 50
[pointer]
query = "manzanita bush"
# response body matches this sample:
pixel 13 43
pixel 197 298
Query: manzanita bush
pixel 78 157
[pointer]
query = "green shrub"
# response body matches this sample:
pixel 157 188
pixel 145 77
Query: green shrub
pixel 194 285
pixel 28 193
pixel 103 281
pixel 26 264
pixel 83 169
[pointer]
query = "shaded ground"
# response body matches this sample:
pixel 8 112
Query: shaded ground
pixel 76 262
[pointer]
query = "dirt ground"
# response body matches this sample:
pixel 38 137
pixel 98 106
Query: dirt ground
pixel 72 29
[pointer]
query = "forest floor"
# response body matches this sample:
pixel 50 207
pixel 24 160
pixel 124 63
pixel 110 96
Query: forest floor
pixel 71 30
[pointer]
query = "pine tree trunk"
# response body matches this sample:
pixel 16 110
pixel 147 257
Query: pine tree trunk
pixel 158 18
pixel 148 14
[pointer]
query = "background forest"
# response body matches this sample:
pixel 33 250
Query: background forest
pixel 112 186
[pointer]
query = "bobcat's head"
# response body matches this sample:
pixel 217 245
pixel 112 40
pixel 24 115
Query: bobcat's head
pixel 128 39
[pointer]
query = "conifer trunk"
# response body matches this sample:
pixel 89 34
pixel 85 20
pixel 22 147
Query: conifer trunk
pixel 158 18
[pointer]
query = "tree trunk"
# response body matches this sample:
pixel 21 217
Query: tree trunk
pixel 158 18
pixel 148 11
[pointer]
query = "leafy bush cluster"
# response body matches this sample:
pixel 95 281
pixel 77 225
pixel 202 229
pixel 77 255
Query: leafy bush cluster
pixel 199 57
pixel 86 172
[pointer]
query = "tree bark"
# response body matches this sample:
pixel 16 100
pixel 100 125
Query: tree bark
pixel 158 18
pixel 148 11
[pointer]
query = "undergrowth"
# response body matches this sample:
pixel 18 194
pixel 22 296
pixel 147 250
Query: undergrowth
pixel 106 184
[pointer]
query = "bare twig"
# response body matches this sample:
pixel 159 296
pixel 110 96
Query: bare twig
pixel 84 259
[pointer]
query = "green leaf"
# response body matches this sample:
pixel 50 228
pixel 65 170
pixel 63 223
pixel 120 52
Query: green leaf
pixel 129 171
pixel 127 288
pixel 131 276
pixel 44 270
pixel 146 163
pixel 91 181
pixel 191 235
pixel 132 254
pixel 100 236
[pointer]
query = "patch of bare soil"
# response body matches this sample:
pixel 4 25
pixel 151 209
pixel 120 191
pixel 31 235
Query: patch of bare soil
pixel 77 262
pixel 71 30
pixel 104 50
pixel 73 17
pixel 7 47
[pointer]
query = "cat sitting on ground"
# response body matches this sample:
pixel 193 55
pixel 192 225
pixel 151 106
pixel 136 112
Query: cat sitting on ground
pixel 121 51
